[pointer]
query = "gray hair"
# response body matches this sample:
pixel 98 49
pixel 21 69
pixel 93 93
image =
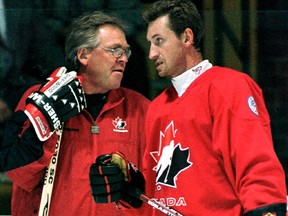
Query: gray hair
pixel 83 33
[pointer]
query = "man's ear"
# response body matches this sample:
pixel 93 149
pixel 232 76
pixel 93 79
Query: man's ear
pixel 82 55
pixel 188 36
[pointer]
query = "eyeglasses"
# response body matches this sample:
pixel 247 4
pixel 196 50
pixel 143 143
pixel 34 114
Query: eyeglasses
pixel 118 52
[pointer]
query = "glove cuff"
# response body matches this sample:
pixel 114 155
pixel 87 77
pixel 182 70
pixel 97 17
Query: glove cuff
pixel 130 194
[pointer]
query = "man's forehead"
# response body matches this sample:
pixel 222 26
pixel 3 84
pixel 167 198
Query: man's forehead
pixel 109 29
pixel 111 33
pixel 160 21
pixel 159 28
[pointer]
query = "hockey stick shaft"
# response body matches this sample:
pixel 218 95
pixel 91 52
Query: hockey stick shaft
pixel 49 179
pixel 135 192
pixel 161 207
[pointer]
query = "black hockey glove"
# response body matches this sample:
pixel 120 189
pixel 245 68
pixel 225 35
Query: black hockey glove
pixel 112 178
pixel 59 99
pixel 19 151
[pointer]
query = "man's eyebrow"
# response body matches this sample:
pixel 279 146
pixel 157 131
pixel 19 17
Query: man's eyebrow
pixel 120 46
pixel 156 35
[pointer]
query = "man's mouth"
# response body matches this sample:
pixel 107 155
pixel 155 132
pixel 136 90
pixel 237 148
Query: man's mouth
pixel 157 64
pixel 119 70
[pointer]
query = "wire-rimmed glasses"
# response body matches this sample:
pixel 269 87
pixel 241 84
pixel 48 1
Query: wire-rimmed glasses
pixel 118 51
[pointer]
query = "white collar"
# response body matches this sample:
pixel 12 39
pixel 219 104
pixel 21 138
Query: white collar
pixel 183 81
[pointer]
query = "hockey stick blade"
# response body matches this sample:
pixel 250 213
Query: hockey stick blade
pixel 135 192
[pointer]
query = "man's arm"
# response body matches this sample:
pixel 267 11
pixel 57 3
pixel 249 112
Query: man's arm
pixel 19 147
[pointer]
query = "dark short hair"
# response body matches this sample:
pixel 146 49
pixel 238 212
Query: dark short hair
pixel 83 33
pixel 182 14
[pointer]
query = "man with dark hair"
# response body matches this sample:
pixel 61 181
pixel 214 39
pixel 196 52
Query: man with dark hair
pixel 209 145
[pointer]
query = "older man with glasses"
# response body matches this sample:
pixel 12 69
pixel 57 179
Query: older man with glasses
pixel 96 48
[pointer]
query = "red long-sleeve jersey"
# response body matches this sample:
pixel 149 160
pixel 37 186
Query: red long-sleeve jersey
pixel 210 151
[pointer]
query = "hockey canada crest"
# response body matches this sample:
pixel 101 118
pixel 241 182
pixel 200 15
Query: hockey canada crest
pixel 119 125
pixel 171 158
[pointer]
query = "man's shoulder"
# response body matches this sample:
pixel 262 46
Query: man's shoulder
pixel 229 76
pixel 227 72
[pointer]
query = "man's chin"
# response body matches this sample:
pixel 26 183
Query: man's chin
pixel 161 74
pixel 115 85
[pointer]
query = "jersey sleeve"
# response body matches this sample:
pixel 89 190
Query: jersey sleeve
pixel 29 175
pixel 243 140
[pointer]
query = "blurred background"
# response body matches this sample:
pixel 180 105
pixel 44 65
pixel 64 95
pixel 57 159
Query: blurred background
pixel 249 36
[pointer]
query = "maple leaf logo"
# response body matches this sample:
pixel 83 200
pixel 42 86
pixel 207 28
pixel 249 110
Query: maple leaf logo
pixel 171 159
pixel 119 123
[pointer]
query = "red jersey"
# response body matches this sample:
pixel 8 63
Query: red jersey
pixel 119 127
pixel 210 151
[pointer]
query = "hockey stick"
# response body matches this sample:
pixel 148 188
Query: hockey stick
pixel 135 192
pixel 49 179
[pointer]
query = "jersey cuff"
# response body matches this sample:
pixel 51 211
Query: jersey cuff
pixel 270 210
